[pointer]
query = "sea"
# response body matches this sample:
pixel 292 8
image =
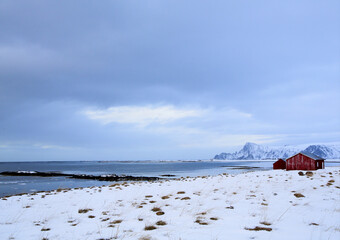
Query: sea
pixel 11 185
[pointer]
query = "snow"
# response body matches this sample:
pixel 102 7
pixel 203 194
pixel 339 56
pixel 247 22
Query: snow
pixel 27 172
pixel 253 151
pixel 229 205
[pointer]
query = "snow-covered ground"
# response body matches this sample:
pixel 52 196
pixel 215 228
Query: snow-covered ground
pixel 272 204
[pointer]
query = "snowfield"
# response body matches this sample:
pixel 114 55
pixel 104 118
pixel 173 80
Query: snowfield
pixel 272 204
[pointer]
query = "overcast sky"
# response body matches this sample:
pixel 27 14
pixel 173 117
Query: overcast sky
pixel 129 80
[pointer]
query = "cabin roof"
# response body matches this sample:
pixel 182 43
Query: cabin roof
pixel 283 159
pixel 311 155
pixel 308 154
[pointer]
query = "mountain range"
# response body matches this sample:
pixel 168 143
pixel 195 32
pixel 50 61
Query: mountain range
pixel 252 151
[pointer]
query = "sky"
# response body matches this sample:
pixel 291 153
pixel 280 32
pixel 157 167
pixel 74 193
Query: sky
pixel 172 79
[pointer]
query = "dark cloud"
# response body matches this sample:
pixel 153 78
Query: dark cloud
pixel 277 60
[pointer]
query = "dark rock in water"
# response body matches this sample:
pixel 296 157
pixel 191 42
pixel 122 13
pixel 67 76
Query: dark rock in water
pixel 112 177
pixel 167 175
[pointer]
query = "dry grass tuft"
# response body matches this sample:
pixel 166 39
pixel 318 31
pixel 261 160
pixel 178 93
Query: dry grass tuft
pixel 149 228
pixel 309 174
pixel 160 223
pixel 314 224
pixel 298 195
pixel 185 198
pixel 201 222
pixel 257 228
pixel 165 197
pixel 116 221
pixel 84 210
pixel 160 213
pixel 156 209
pixel 181 192
pixel 144 238
pixel 214 218
pixel 45 229
pixel 91 216
pixel 152 201
pixel 148 196
pixel 265 223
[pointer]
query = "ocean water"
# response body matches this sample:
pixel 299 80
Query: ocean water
pixel 10 185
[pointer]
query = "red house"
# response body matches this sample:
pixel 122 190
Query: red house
pixel 305 161
pixel 279 164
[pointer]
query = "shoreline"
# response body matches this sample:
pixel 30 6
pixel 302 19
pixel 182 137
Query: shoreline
pixel 257 204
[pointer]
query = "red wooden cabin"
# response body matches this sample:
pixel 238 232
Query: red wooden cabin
pixel 279 164
pixel 305 161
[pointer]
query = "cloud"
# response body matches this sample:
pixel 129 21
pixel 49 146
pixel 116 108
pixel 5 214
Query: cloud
pixel 142 115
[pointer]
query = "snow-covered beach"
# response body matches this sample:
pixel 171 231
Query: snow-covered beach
pixel 255 205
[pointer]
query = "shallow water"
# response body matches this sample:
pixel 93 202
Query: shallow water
pixel 10 185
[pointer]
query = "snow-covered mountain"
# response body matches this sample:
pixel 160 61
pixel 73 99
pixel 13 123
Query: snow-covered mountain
pixel 252 151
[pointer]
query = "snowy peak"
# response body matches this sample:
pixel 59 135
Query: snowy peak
pixel 251 147
pixel 324 151
pixel 252 151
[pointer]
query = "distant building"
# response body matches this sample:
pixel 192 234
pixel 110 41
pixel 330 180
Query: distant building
pixel 301 161
pixel 279 164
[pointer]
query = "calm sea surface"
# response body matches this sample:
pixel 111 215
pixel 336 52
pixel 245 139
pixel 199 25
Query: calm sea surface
pixel 10 185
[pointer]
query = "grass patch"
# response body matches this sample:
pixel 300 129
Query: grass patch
pixel 181 192
pixel 160 223
pixel 257 228
pixel 200 222
pixel 298 195
pixel 186 198
pixel 214 218
pixel 265 223
pixel 160 213
pixel 144 238
pixel 116 221
pixel 149 228
pixel 156 209
pixel 91 216
pixel 148 196
pixel 165 197
pixel 84 210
